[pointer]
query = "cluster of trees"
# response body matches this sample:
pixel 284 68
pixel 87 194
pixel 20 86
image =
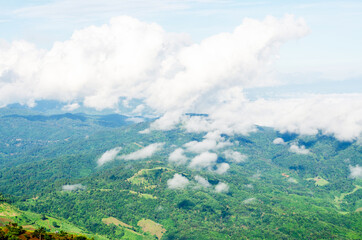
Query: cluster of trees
pixel 13 231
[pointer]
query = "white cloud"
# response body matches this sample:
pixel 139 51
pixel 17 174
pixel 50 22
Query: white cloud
pixel 249 200
pixel 212 141
pixel 204 160
pixel 133 59
pixel 202 181
pixel 279 141
pixel 108 156
pixel 177 182
pixel 234 156
pixel 292 180
pixel 145 131
pixel 73 187
pixel 71 107
pixel 356 172
pixel 298 149
pixel 145 152
pixel 256 175
pixel 221 187
pixel 178 156
pixel 135 119
pixel 222 168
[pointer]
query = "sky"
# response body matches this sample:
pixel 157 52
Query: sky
pixel 331 50
pixel 294 66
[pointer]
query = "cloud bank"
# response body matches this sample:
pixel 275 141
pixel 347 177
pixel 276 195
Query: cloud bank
pixel 131 59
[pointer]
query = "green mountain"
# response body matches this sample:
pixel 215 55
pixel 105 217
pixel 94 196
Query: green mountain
pixel 49 167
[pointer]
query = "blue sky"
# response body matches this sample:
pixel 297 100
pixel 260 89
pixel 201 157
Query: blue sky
pixel 332 50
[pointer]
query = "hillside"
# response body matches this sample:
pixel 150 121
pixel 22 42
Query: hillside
pixel 21 223
pixel 254 188
pixel 13 231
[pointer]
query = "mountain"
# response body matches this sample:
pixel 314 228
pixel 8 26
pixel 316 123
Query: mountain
pixel 265 185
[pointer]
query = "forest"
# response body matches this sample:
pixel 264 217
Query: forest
pixel 51 182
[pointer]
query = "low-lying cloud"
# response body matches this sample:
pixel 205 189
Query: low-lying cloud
pixel 356 171
pixel 202 181
pixel 222 168
pixel 221 188
pixel 234 156
pixel 279 141
pixel 212 141
pixel 178 156
pixel 177 182
pixel 73 187
pixel 204 160
pixel 108 156
pixel 298 149
pixel 143 153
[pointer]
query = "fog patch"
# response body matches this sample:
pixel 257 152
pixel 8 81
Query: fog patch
pixel 73 187
pixel 249 200
pixel 234 156
pixel 108 156
pixel 279 141
pixel 356 172
pixel 177 182
pixel 202 181
pixel 178 156
pixel 221 188
pixel 298 149
pixel 204 160
pixel 143 153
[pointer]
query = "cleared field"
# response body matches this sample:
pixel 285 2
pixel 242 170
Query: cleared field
pixel 6 210
pixel 318 181
pixel 129 232
pixel 152 227
pixel 115 221
pixel 140 178
pixel 32 221
pixel 143 195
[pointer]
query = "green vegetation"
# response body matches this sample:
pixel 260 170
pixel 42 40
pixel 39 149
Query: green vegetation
pixel 318 181
pixel 274 194
pixel 13 231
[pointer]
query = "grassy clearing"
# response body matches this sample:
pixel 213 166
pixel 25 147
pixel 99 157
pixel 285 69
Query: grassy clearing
pixel 6 210
pixel 31 221
pixel 140 178
pixel 319 181
pixel 115 221
pixel 143 195
pixel 129 233
pixel 152 227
